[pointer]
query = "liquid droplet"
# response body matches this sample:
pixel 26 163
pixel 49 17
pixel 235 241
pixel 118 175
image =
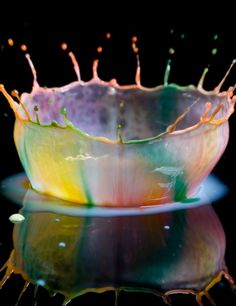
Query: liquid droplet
pixel 134 44
pixel 23 47
pixel 119 133
pixel 64 46
pixel 16 218
pixel 40 282
pixel 63 111
pixel 138 69
pixel 62 244
pixel 10 42
pixel 99 49
pixel 108 35
pixel 36 108
pixel 171 51
pixel 214 51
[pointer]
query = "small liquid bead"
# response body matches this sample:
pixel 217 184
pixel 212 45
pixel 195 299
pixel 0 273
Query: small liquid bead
pixel 99 49
pixel 64 46
pixel 23 47
pixel 214 51
pixel 10 42
pixel 134 44
pixel 108 35
pixel 171 51
pixel 16 218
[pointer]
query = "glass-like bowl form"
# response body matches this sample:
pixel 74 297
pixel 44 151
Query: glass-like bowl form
pixel 98 143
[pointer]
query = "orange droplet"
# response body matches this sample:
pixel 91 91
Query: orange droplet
pixel 23 47
pixel 135 48
pixel 15 93
pixel 10 42
pixel 108 35
pixel 64 46
pixel 99 49
pixel 134 39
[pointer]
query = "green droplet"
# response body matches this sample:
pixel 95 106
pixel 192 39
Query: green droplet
pixel 36 108
pixel 182 36
pixel 216 37
pixel 214 51
pixel 63 111
pixel 119 133
pixel 5 115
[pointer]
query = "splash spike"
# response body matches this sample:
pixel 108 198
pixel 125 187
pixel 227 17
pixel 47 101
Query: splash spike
pixel 33 70
pixel 218 88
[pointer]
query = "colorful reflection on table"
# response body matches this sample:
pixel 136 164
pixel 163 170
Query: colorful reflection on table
pixel 180 250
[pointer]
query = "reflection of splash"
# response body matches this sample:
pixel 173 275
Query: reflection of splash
pixel 178 251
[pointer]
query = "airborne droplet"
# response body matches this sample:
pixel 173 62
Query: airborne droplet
pixel 214 51
pixel 10 42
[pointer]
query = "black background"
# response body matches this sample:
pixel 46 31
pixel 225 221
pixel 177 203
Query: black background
pixel 84 28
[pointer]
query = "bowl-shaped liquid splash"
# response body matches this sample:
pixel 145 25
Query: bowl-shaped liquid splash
pixel 98 143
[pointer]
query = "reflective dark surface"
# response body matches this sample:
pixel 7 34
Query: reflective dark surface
pixel 68 251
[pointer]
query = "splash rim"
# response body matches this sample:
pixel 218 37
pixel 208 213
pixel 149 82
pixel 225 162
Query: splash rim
pixel 204 120
pixel 96 80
